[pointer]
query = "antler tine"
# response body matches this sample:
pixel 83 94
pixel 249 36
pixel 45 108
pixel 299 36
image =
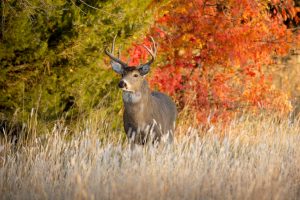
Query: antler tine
pixel 154 45
pixel 152 51
pixel 113 45
pixel 153 48
pixel 111 54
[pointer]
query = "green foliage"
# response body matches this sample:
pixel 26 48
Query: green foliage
pixel 51 54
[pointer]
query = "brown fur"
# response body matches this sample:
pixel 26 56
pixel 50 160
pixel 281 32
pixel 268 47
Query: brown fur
pixel 147 115
pixel 150 118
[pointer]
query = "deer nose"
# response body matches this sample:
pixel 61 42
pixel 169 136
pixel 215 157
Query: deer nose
pixel 122 84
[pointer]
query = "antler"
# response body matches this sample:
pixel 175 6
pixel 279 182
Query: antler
pixel 152 50
pixel 111 54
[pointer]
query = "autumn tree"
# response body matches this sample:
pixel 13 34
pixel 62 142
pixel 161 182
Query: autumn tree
pixel 215 55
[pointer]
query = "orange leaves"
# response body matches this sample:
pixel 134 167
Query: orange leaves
pixel 138 54
pixel 286 11
pixel 213 52
pixel 167 79
pixel 262 95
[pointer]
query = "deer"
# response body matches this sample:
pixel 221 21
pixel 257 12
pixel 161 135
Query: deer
pixel 148 116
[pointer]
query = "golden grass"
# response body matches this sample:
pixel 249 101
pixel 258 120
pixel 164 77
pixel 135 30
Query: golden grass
pixel 254 159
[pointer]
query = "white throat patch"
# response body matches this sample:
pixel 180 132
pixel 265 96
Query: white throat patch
pixel 131 97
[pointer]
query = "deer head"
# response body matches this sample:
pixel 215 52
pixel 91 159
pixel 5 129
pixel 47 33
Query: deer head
pixel 132 76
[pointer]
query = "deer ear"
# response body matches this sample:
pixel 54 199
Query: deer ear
pixel 117 67
pixel 144 69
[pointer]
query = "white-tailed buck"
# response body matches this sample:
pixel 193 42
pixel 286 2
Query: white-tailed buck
pixel 148 115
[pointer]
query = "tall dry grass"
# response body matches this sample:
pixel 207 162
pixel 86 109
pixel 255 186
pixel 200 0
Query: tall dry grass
pixel 254 159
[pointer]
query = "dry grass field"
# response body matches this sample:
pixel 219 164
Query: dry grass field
pixel 253 159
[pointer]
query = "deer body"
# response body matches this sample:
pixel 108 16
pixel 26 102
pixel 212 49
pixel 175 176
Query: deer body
pixel 149 118
pixel 148 115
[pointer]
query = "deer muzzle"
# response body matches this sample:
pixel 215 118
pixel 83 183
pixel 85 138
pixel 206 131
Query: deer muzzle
pixel 122 84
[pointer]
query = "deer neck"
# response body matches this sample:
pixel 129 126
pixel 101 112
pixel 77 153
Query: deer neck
pixel 136 102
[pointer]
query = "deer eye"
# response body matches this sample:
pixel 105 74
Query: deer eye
pixel 135 75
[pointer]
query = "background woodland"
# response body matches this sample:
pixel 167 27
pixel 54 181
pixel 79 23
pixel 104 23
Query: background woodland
pixel 216 58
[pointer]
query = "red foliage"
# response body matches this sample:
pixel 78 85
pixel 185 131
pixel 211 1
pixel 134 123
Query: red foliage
pixel 213 53
pixel 285 10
